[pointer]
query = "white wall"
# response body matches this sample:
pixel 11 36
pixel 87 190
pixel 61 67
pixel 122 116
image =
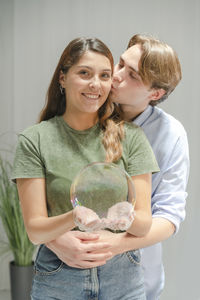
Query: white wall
pixel 33 34
pixel 6 95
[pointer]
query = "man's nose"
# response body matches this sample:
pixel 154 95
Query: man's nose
pixel 118 75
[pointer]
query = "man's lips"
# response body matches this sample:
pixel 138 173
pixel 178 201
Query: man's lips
pixel 113 88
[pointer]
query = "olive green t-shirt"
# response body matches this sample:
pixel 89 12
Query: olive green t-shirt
pixel 55 151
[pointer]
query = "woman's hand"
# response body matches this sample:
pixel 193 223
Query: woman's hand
pixel 119 216
pixel 86 219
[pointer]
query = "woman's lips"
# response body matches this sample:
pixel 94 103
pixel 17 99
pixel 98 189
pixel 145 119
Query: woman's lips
pixel 91 96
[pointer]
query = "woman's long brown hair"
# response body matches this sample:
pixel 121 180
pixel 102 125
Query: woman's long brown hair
pixel 109 117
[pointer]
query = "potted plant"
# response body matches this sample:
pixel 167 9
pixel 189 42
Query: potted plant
pixel 21 268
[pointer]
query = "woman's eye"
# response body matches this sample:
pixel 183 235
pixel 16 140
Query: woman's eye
pixel 106 76
pixel 84 73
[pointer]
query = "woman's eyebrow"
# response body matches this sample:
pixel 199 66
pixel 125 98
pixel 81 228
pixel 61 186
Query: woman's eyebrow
pixel 88 67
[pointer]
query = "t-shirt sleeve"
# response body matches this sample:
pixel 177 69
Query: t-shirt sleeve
pixel 141 158
pixel 28 162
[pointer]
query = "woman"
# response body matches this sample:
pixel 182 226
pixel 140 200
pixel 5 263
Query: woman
pixel 78 126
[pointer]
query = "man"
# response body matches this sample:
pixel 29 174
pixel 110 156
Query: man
pixel 148 71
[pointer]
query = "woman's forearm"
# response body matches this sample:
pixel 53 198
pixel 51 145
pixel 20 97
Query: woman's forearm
pixel 143 216
pixel 44 229
pixel 141 224
pixel 40 228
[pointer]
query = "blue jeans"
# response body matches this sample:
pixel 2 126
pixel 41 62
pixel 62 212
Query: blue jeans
pixel 119 279
pixel 154 276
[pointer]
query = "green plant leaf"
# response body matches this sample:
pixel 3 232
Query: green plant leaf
pixel 11 216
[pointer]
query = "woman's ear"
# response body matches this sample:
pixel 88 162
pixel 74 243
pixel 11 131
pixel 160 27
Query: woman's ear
pixel 157 94
pixel 62 78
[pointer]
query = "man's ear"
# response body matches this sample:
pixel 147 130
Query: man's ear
pixel 157 94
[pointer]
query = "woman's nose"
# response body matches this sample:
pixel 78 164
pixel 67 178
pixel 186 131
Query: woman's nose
pixel 95 83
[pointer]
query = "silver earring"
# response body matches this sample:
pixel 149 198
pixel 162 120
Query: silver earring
pixel 62 90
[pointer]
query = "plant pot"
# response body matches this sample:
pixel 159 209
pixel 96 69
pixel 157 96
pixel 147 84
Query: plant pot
pixel 20 281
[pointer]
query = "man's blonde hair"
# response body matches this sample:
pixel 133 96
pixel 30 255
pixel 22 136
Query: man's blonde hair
pixel 159 66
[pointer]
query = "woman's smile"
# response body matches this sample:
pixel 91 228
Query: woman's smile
pixel 87 84
pixel 90 96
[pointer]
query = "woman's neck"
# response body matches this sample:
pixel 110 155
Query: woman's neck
pixel 80 121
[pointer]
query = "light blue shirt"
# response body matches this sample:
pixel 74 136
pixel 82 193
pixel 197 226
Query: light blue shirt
pixel 169 142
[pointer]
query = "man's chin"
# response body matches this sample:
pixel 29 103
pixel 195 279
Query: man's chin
pixel 114 99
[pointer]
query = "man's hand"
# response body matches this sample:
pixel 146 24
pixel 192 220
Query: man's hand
pixel 81 249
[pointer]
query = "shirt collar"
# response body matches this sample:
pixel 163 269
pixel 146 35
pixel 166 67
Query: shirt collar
pixel 144 116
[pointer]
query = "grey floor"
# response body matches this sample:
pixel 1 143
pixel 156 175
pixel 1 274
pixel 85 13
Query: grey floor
pixel 5 295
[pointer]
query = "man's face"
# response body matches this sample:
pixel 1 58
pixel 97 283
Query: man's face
pixel 128 88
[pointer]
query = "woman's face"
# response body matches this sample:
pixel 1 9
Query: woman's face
pixel 87 83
